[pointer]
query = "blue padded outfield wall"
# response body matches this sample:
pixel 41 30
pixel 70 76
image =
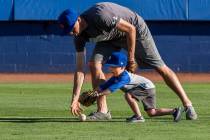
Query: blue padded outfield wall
pixel 30 38
pixel 6 10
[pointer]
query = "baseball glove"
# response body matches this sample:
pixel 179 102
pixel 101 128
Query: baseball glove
pixel 131 66
pixel 87 98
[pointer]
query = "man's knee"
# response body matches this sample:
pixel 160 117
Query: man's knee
pixel 164 70
pixel 94 65
pixel 91 65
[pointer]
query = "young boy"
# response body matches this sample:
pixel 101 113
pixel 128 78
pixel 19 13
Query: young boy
pixel 136 88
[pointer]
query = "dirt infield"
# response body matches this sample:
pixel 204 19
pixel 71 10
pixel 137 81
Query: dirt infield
pixel 68 78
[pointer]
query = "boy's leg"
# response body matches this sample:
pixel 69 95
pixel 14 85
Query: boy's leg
pixel 160 112
pixel 137 117
pixel 176 112
pixel 149 102
pixel 133 104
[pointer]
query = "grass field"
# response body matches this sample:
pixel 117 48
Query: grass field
pixel 40 112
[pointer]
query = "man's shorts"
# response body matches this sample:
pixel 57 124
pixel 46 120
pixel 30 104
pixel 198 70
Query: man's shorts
pixel 103 50
pixel 146 53
pixel 147 97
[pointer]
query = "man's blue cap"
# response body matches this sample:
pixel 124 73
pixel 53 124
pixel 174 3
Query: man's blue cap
pixel 68 19
pixel 117 59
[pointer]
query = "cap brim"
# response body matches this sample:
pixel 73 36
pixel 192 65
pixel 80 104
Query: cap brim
pixel 111 65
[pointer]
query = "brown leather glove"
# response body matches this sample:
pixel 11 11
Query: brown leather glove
pixel 88 98
pixel 132 66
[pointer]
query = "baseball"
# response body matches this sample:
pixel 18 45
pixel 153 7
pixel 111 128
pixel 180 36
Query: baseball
pixel 82 117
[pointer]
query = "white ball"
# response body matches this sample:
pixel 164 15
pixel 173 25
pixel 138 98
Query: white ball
pixel 82 117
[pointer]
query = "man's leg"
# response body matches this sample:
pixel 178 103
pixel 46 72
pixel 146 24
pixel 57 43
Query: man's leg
pixel 173 82
pixel 101 53
pixel 148 55
pixel 97 78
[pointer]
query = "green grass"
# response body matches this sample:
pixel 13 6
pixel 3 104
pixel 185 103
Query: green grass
pixel 40 112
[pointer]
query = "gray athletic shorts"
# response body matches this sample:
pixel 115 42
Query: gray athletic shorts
pixel 146 53
pixel 147 97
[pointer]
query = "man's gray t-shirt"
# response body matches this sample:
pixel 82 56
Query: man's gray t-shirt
pixel 102 19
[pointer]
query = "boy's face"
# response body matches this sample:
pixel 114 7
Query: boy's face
pixel 116 71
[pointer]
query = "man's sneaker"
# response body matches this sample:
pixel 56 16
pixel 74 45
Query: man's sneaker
pixel 135 119
pixel 190 113
pixel 177 114
pixel 97 116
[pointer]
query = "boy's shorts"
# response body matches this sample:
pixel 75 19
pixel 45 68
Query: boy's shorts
pixel 147 97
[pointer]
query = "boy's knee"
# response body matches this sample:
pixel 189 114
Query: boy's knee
pixel 125 96
pixel 151 112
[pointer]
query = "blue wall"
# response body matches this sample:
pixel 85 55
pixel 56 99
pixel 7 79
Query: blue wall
pixel 30 40
pixel 38 47
pixel 149 9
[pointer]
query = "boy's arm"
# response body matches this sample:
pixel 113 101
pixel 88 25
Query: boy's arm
pixel 111 86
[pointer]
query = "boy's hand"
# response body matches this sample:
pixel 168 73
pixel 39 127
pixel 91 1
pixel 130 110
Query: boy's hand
pixel 87 98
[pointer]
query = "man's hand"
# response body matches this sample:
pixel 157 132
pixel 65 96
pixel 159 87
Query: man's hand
pixel 132 66
pixel 75 108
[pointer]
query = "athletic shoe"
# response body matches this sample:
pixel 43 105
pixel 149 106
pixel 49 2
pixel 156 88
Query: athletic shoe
pixel 177 114
pixel 135 119
pixel 96 116
pixel 190 113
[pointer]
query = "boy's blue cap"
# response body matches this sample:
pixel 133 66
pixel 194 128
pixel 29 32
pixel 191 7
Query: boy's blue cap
pixel 68 19
pixel 117 59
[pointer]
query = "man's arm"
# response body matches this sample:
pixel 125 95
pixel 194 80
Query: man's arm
pixel 130 32
pixel 78 81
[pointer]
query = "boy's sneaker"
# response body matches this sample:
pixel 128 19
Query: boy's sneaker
pixel 177 114
pixel 97 116
pixel 190 113
pixel 135 119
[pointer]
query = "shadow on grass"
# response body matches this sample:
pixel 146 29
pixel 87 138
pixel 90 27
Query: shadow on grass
pixel 73 119
pixel 52 119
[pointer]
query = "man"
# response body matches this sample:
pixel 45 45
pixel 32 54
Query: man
pixel 113 27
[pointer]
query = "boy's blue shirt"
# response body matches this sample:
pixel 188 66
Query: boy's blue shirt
pixel 126 81
pixel 115 83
